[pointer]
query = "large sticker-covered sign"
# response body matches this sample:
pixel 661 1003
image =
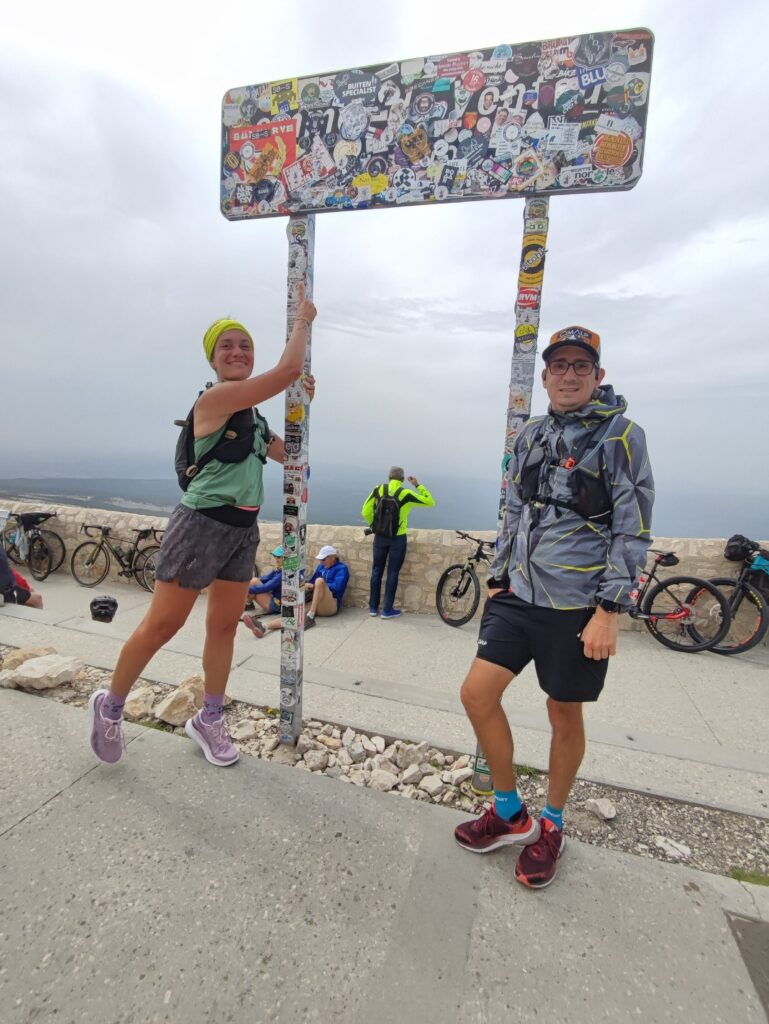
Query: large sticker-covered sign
pixel 558 116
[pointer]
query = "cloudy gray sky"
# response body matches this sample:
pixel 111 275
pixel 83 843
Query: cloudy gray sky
pixel 115 256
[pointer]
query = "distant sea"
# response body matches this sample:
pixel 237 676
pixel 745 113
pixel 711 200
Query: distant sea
pixel 336 495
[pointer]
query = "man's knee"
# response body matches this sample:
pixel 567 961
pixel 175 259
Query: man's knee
pixel 482 690
pixel 565 716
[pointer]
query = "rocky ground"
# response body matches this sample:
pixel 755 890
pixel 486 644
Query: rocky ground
pixel 668 830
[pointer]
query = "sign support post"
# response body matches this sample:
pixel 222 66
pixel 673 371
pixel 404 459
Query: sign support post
pixel 296 474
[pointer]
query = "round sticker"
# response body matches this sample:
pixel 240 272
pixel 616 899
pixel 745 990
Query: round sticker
pixel 311 93
pixel 612 150
pixel 377 165
pixel 473 80
pixel 353 121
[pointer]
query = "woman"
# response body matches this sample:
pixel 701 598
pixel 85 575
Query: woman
pixel 211 539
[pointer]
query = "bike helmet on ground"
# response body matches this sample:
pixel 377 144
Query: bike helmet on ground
pixel 103 609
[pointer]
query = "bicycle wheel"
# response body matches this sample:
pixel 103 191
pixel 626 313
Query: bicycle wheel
pixel 39 559
pixel 9 542
pixel 90 563
pixel 687 614
pixel 750 616
pixel 139 563
pixel 148 572
pixel 55 546
pixel 457 595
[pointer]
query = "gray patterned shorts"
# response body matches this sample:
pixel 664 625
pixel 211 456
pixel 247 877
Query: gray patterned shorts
pixel 196 550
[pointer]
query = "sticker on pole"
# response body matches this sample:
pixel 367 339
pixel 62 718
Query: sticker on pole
pixel 557 116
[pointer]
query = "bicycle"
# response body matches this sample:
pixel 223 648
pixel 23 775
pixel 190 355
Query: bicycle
pixel 91 560
pixel 750 612
pixel 458 593
pixel 42 551
pixel 684 613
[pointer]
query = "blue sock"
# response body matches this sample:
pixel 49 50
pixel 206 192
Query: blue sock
pixel 554 814
pixel 507 803
pixel 213 706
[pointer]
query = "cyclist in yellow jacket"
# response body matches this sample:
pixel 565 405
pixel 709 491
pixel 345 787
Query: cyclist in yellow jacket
pixel 390 534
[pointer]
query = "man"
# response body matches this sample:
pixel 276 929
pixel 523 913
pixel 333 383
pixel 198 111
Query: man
pixel 390 534
pixel 323 596
pixel 573 537
pixel 325 588
pixel 265 590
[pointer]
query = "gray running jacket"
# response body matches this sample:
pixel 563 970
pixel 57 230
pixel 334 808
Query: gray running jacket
pixel 547 553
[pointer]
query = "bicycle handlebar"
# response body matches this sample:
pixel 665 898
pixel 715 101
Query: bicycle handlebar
pixel 475 540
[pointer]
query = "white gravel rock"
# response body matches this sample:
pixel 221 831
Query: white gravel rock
pixel 379 744
pixel 316 760
pixel 432 785
pixel 412 775
pixel 357 753
pixel 43 673
pixel 678 851
pixel 343 757
pixel 139 703
pixel 602 808
pixel 245 729
pixel 412 753
pixel 381 780
pixel 460 775
pixel 368 746
pixel 348 737
pixel 382 763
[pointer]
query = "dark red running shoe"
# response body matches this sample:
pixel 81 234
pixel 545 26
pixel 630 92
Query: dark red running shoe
pixel 490 832
pixel 538 863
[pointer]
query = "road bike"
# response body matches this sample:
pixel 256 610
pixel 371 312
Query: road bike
pixel 42 551
pixel 684 613
pixel 458 593
pixel 750 612
pixel 91 560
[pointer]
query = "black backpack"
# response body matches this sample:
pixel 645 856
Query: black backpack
pixel 235 444
pixel 387 512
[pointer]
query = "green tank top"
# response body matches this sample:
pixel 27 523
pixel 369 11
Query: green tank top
pixel 227 483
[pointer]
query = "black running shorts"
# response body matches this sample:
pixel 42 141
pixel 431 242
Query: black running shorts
pixel 513 633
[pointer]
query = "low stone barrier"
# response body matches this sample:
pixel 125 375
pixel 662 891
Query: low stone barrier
pixel 429 551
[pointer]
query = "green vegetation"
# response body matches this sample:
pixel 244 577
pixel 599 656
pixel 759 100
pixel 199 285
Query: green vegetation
pixel 754 877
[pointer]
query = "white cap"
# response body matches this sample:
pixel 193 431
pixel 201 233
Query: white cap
pixel 325 551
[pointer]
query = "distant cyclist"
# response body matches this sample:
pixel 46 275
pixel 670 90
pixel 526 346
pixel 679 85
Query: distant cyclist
pixel 573 538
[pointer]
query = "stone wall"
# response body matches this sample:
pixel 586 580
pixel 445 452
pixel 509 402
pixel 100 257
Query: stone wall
pixel 429 551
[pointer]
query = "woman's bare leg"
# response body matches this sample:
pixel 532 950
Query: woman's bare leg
pixel 171 605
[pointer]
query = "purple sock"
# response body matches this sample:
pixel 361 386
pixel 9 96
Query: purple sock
pixel 112 706
pixel 213 706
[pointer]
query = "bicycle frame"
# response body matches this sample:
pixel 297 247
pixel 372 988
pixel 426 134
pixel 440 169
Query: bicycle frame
pixel 126 559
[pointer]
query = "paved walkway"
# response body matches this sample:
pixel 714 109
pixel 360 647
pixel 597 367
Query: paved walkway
pixel 162 889
pixel 693 726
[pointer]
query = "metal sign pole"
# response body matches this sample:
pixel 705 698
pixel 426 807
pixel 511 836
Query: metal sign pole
pixel 535 226
pixel 296 473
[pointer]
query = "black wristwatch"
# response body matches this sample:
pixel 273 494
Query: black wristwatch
pixel 609 606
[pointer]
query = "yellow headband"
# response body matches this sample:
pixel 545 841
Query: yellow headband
pixel 216 330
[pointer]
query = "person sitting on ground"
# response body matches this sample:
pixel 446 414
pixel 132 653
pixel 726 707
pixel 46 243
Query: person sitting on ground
pixel 265 590
pixel 324 591
pixel 14 588
pixel 326 586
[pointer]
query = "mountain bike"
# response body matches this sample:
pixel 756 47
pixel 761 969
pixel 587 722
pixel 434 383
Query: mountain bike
pixel 684 613
pixel 750 612
pixel 91 560
pixel 42 551
pixel 458 593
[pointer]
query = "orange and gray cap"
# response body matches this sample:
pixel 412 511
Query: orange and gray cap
pixel 582 337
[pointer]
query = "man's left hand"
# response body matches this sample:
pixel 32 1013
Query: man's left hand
pixel 600 635
pixel 309 386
